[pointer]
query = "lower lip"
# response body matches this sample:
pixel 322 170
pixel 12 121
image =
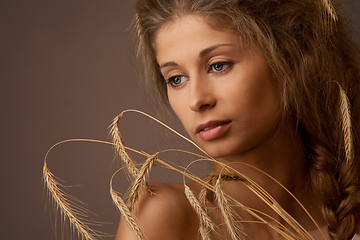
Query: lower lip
pixel 214 133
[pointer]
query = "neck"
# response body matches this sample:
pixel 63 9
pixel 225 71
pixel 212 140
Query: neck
pixel 282 157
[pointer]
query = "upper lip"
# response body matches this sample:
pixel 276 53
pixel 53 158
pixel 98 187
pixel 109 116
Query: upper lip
pixel 210 124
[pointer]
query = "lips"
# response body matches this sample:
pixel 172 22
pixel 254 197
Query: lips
pixel 213 129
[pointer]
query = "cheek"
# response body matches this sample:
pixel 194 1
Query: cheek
pixel 261 97
pixel 179 106
pixel 255 88
pixel 174 103
pixel 265 108
pixel 255 100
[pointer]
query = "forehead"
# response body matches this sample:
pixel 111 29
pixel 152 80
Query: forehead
pixel 190 32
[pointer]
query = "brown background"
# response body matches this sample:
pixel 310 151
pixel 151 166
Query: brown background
pixel 67 68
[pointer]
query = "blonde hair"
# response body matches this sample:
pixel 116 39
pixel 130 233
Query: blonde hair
pixel 316 66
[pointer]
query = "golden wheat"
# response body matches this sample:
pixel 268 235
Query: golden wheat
pixel 225 202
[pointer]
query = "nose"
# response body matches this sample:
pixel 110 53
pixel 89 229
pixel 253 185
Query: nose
pixel 201 95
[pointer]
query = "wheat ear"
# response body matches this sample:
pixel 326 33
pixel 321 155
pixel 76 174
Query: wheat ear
pixel 235 232
pixel 140 181
pixel 125 212
pixel 119 146
pixel 330 9
pixel 68 209
pixel 206 224
pixel 203 194
pixel 346 125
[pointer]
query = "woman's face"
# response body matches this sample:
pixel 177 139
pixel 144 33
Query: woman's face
pixel 221 90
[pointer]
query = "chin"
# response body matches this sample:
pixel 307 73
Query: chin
pixel 219 152
pixel 226 149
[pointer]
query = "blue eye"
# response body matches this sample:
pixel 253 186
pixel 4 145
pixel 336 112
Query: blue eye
pixel 219 67
pixel 176 81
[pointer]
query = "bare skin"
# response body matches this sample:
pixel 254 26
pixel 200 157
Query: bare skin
pixel 225 97
pixel 153 215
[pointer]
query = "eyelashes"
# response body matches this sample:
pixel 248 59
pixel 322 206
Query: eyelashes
pixel 219 67
pixel 215 68
pixel 176 81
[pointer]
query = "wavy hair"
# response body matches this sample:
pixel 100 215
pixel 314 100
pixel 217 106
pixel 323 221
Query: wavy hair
pixel 316 65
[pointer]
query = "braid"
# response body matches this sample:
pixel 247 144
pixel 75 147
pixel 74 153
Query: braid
pixel 338 197
pixel 335 178
pixel 348 175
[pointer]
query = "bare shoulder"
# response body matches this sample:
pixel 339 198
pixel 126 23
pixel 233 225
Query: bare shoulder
pixel 166 212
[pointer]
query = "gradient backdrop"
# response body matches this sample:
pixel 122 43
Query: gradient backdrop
pixel 67 68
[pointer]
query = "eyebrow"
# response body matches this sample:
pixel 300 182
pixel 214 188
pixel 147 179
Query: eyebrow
pixel 201 54
pixel 212 48
pixel 168 64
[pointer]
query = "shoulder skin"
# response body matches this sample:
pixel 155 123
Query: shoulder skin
pixel 165 214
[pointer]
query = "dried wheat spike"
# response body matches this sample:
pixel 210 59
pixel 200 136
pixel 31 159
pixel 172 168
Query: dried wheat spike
pixel 119 147
pixel 206 225
pixel 202 196
pixel 140 181
pixel 346 125
pixel 330 9
pixel 235 232
pixel 75 215
pixel 126 214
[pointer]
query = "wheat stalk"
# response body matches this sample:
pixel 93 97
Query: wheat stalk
pixel 274 205
pixel 167 127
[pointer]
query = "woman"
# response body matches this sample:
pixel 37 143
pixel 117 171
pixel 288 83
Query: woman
pixel 269 84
